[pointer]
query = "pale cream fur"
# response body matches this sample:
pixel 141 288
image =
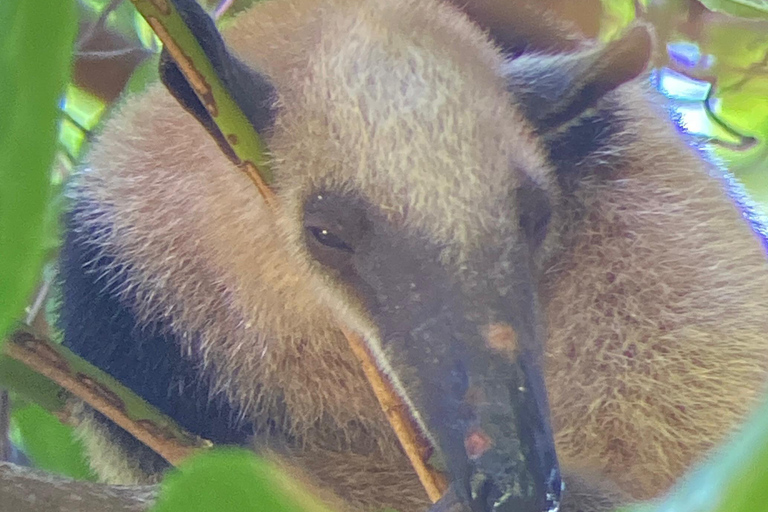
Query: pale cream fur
pixel 403 101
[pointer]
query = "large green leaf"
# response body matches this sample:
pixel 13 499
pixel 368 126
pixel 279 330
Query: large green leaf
pixel 735 479
pixel 233 480
pixel 48 443
pixel 741 8
pixel 35 52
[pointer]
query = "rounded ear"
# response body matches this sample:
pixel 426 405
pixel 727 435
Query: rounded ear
pixel 555 89
pixel 251 90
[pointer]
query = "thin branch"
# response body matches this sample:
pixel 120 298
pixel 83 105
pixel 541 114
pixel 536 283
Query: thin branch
pixel 223 7
pixel 39 302
pixel 109 54
pixel 416 447
pixel 97 25
pixel 104 394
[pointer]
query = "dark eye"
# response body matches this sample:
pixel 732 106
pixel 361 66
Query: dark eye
pixel 328 239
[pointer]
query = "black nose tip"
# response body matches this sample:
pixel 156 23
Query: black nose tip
pixel 491 494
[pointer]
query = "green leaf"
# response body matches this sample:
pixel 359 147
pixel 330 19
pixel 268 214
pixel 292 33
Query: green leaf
pixel 48 443
pixel 756 182
pixel 35 51
pixel 617 14
pixel 30 385
pixel 733 480
pixel 740 8
pixel 236 480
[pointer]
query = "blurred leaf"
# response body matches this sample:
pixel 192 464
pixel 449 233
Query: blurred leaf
pixel 233 480
pixel 144 32
pixel 740 8
pixel 29 384
pixel 35 52
pixel 735 479
pixel 144 75
pixel 617 14
pixel 755 180
pixel 48 443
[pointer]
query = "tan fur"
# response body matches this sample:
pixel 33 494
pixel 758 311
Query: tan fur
pixel 108 460
pixel 658 309
pixel 658 316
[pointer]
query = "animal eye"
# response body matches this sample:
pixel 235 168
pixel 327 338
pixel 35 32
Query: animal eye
pixel 328 239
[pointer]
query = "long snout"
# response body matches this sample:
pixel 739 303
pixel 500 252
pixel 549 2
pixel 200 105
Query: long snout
pixel 464 345
pixel 509 443
pixel 486 405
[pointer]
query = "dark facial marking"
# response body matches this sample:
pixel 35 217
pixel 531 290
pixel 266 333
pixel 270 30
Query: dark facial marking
pixel 335 228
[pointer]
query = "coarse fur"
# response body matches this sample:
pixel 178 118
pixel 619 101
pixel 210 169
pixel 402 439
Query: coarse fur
pixel 655 289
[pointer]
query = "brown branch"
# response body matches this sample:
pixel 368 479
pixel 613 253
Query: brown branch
pixel 26 490
pixel 157 432
pixel 416 447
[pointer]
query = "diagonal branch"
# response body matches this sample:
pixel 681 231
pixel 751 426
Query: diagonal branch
pixel 103 393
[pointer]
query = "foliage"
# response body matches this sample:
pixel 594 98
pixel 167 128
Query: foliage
pixel 35 49
pixel 47 442
pixel 735 479
pixel 729 62
pixel 741 8
pixel 231 479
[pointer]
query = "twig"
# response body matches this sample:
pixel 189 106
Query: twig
pixel 416 447
pixel 97 25
pixel 105 395
pixel 222 8
pixel 108 54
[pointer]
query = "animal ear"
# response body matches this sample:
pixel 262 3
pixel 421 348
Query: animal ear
pixel 252 91
pixel 555 89
pixel 518 26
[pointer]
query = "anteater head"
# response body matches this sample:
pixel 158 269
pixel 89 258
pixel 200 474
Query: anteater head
pixel 415 191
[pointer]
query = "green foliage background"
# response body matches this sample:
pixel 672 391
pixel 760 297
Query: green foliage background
pixel 35 44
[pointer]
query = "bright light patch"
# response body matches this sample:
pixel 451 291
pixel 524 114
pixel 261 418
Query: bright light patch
pixel 694 120
pixel 685 53
pixel 677 86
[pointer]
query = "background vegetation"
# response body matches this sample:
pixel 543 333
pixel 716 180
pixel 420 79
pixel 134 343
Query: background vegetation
pixel 712 63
